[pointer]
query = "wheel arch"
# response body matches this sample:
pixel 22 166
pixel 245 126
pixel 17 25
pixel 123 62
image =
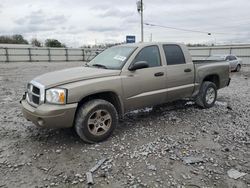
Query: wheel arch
pixel 109 96
pixel 213 78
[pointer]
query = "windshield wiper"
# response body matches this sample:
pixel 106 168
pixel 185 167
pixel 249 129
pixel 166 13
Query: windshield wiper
pixel 100 66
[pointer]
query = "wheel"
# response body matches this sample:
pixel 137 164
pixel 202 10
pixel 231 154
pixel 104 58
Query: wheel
pixel 207 95
pixel 238 68
pixel 96 120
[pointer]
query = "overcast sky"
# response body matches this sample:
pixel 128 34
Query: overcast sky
pixel 78 22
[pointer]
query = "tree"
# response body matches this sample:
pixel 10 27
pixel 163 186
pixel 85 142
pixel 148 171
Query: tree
pixel 36 42
pixel 14 39
pixel 54 43
pixel 19 39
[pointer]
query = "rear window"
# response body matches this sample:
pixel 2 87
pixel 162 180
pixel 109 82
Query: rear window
pixel 174 54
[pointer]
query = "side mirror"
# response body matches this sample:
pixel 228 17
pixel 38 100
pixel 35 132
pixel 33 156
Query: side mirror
pixel 138 65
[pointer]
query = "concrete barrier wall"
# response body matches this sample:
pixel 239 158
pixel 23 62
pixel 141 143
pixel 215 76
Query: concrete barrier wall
pixel 11 54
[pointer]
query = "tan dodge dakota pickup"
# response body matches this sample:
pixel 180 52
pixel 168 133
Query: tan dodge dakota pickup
pixel 93 97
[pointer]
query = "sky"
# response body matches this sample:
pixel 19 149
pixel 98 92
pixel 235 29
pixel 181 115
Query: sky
pixel 82 22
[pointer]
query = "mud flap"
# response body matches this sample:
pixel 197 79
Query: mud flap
pixel 23 97
pixel 229 82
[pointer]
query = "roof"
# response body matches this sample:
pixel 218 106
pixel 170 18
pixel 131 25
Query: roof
pixel 142 44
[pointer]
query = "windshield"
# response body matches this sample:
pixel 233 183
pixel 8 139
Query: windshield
pixel 112 58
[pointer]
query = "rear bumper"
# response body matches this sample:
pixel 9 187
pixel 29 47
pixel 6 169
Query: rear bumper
pixel 50 116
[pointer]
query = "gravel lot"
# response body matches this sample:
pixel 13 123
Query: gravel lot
pixel 146 150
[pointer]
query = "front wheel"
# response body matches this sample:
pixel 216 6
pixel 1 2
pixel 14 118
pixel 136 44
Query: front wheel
pixel 96 120
pixel 207 95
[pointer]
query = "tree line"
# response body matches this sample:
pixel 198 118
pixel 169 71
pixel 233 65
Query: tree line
pixel 19 39
pixel 54 43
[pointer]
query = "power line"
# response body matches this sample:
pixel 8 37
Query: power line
pixel 189 30
pixel 180 29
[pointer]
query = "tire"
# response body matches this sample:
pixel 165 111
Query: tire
pixel 96 120
pixel 238 68
pixel 207 95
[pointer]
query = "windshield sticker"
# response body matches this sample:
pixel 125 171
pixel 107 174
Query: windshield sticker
pixel 120 58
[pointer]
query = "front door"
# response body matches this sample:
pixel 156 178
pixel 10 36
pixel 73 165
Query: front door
pixel 145 87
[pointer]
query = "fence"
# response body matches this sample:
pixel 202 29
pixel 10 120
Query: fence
pixel 15 54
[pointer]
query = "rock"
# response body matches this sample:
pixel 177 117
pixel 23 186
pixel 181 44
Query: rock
pixel 235 174
pixel 192 160
pixel 229 107
pixel 100 162
pixel 74 182
pixel 226 150
pixel 52 184
pixel 89 177
pixel 144 153
pixel 152 167
pixel 81 180
pixel 78 176
pixel 58 151
pixel 45 169
pixel 216 133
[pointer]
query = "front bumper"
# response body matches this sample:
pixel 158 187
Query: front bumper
pixel 50 116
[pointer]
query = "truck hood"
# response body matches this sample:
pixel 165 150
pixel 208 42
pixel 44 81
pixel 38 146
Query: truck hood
pixel 65 76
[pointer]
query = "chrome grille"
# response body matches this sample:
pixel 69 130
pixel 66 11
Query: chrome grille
pixel 35 93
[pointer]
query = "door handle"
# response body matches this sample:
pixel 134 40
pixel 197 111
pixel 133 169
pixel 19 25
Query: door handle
pixel 158 74
pixel 188 70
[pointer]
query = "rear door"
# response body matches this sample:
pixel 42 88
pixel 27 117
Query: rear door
pixel 180 73
pixel 145 87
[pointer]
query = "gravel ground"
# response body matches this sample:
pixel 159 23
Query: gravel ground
pixel 146 150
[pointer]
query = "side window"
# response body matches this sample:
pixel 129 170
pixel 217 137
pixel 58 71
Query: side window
pixel 233 57
pixel 174 54
pixel 150 54
pixel 227 58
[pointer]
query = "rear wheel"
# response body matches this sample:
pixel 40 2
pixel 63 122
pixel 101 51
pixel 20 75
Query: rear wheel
pixel 207 95
pixel 238 68
pixel 96 120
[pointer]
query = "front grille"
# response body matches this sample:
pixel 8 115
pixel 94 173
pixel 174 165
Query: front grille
pixel 36 90
pixel 34 94
pixel 36 99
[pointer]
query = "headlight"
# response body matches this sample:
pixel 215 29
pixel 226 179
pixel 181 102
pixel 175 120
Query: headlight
pixel 56 96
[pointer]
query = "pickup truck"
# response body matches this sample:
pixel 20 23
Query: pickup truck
pixel 93 97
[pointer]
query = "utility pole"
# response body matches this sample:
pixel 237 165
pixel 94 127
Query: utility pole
pixel 140 10
pixel 142 32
